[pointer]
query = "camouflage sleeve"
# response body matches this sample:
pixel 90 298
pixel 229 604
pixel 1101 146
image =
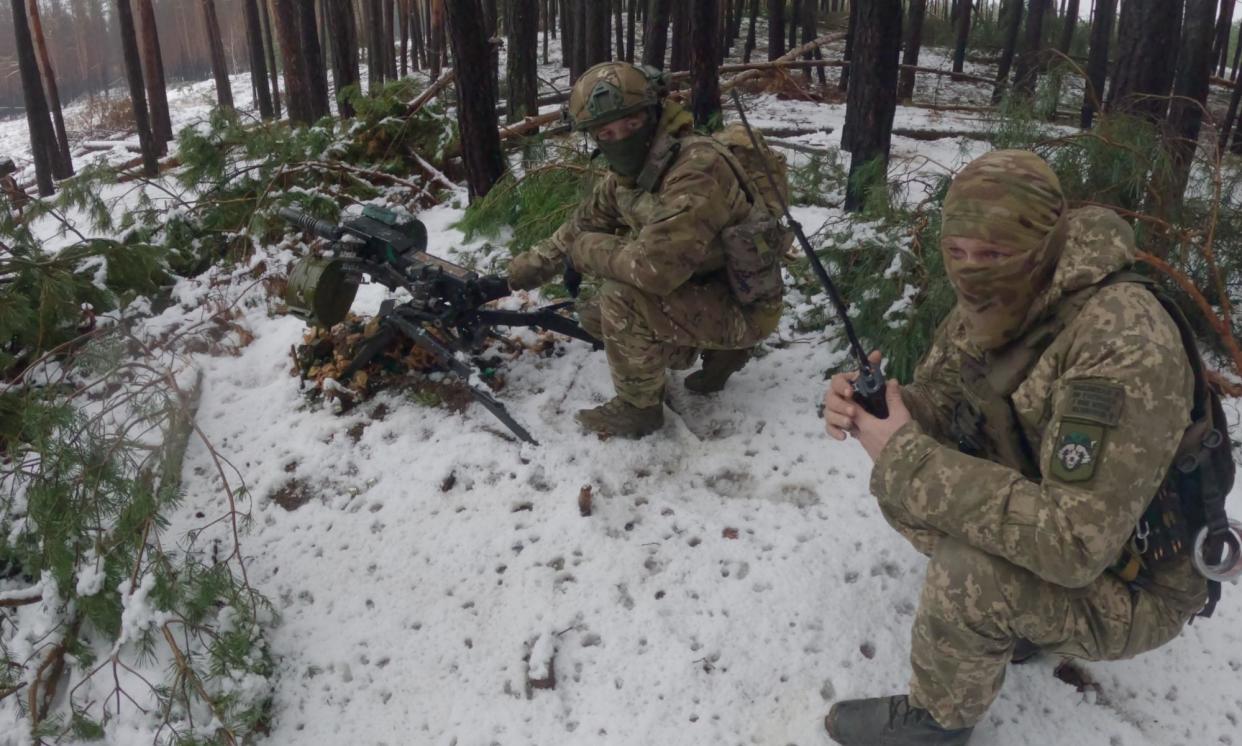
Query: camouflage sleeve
pixel 1117 411
pixel 699 197
pixel 931 395
pixel 597 214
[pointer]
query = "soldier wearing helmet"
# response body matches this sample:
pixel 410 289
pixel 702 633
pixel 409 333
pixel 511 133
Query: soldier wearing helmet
pixel 650 231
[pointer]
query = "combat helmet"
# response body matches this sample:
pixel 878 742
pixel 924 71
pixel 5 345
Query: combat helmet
pixel 612 90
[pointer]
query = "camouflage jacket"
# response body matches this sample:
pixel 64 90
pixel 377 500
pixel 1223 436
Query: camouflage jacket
pixel 1099 464
pixel 655 241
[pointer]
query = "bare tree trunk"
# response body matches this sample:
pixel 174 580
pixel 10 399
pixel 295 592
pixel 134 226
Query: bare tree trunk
pixel 1027 73
pixel 655 33
pixel 376 64
pixel 476 111
pixel 1190 91
pixel 296 82
pixel 133 70
pixel 631 8
pixel 844 83
pixel 436 35
pixel 679 52
pixel 312 57
pixel 38 121
pixel 749 48
pixel 62 161
pixel 258 65
pixel 618 28
pixel 1069 23
pixel 269 43
pixel 1097 60
pixel 1147 43
pixel 224 92
pixel 963 35
pixel 390 40
pixel 1224 33
pixel 596 24
pixel 1233 121
pixel 403 54
pixel 522 70
pixel 705 62
pixel 340 16
pixel 1013 25
pixel 810 30
pixel 417 55
pixel 580 35
pixel 914 43
pixel 776 28
pixel 794 13
pixel 872 99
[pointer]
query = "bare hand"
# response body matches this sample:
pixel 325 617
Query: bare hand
pixel 875 433
pixel 839 407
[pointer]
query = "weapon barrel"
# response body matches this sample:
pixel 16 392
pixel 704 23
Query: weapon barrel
pixel 321 228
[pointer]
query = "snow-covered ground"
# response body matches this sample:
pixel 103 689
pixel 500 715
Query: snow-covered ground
pixel 734 577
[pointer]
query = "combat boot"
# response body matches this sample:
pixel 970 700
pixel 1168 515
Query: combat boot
pixel 718 365
pixel 1023 651
pixel 620 418
pixel 888 721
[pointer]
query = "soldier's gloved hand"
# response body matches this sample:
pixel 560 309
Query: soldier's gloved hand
pixel 525 272
pixel 491 287
pixel 572 278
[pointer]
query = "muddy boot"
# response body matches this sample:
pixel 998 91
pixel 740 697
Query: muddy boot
pixel 888 721
pixel 718 365
pixel 617 417
pixel 1024 651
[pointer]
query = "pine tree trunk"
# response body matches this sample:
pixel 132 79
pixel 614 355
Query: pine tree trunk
pixel 269 43
pixel 376 65
pixel 38 120
pixel 872 99
pixel 417 57
pixel 436 35
pixel 215 43
pixel 655 32
pixel 1224 33
pixel 963 35
pixel 1027 72
pixel 1232 126
pixel 776 29
pixel 749 48
pixel 1190 91
pixel 630 33
pixel 581 33
pixel 476 110
pixel 296 82
pixel 312 56
pixel 1147 43
pixel 794 13
pixel 1070 21
pixel 844 83
pixel 133 73
pixel 1097 59
pixel 704 62
pixel 344 51
pixel 258 65
pixel 914 43
pixel 596 25
pixel 618 28
pixel 62 161
pixel 810 30
pixel 390 40
pixel 403 58
pixel 522 69
pixel 1013 25
pixel 679 53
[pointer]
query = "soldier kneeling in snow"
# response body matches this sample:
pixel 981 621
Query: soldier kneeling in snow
pixel 1031 442
pixel 656 231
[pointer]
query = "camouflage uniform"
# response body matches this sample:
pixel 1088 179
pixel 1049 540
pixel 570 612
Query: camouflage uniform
pixel 664 294
pixel 1025 556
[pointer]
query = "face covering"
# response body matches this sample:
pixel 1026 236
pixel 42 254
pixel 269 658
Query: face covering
pixel 1011 199
pixel 627 156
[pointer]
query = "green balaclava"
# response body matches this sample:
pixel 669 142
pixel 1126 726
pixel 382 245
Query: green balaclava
pixel 1012 199
pixel 627 156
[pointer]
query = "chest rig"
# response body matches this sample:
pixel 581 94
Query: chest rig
pixel 1186 515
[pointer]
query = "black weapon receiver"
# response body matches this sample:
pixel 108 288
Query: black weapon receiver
pixel 869 387
pixel 444 315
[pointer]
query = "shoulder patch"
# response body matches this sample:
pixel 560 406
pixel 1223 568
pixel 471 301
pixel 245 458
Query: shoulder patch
pixel 1077 450
pixel 1097 401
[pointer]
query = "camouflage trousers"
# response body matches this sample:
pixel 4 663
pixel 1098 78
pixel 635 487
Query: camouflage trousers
pixel 645 334
pixel 975 606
